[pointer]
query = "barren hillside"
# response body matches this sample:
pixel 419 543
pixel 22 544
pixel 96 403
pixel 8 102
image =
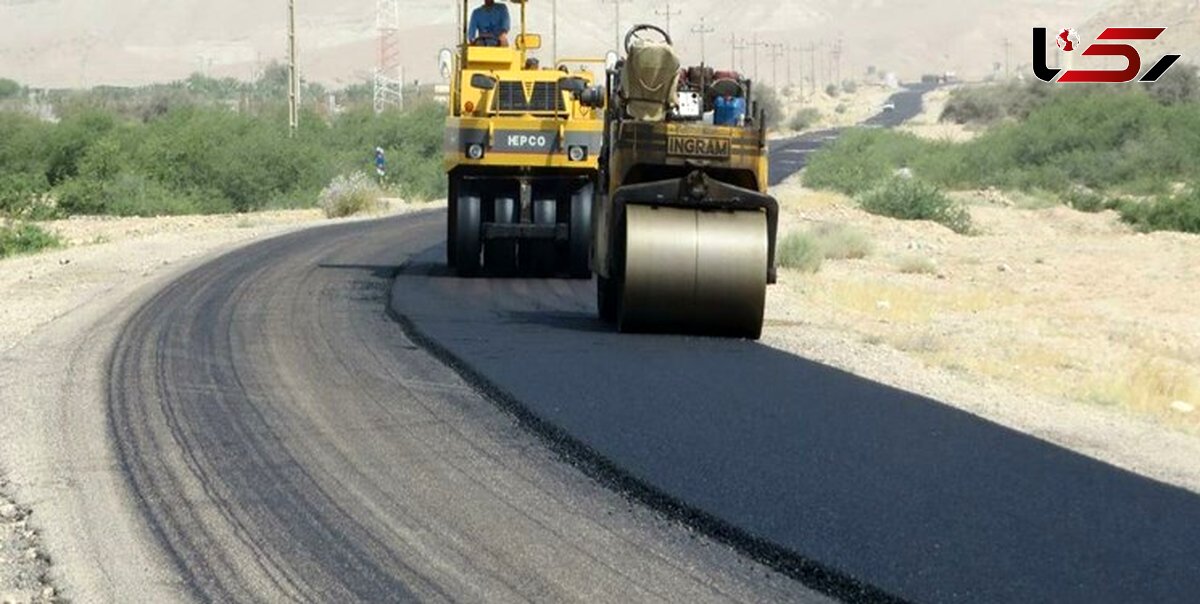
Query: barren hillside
pixel 88 42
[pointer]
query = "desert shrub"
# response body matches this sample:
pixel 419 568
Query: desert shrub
pixel 768 100
pixel 1180 84
pixel 849 86
pixel 9 89
pixel 23 195
pixel 131 194
pixel 348 195
pixel 861 159
pixel 916 264
pixel 1086 200
pixel 988 104
pixel 913 199
pixel 842 242
pixel 804 118
pixel 25 238
pixel 800 251
pixel 1179 213
pixel 831 90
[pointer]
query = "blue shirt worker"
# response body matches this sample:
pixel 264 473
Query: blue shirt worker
pixel 728 110
pixel 489 25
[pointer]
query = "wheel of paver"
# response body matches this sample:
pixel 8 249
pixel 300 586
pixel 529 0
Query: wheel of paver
pixel 451 222
pixel 606 299
pixel 580 241
pixel 694 271
pixel 467 233
pixel 500 255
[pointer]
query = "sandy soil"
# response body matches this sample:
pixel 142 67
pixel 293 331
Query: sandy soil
pixel 1061 324
pixel 94 277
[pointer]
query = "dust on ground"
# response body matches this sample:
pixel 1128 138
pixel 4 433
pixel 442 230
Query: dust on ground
pixel 103 254
pixel 1065 325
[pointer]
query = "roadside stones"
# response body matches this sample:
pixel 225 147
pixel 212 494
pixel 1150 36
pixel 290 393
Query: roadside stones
pixel 1183 407
pixel 10 512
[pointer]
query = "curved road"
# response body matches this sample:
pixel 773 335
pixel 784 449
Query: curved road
pixel 287 438
pixel 286 441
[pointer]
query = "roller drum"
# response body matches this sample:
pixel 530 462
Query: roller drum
pixel 694 271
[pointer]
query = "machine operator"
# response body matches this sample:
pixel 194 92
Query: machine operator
pixel 489 25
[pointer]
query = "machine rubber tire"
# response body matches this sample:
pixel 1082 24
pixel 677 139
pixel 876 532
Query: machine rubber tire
pixel 451 218
pixel 467 234
pixel 580 242
pixel 538 256
pixel 500 255
pixel 607 298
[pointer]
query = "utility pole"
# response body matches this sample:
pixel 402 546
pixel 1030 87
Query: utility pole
pixel 812 72
pixel 734 47
pixel 776 52
pixel 668 13
pixel 1007 49
pixel 554 31
pixel 617 23
pixel 837 62
pixel 293 73
pixel 703 30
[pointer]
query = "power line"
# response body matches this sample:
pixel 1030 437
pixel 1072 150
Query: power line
pixel 617 22
pixel 668 13
pixel 734 47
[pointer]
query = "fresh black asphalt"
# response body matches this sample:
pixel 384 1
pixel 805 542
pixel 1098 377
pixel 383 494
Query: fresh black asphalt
pixel 856 488
pixel 839 478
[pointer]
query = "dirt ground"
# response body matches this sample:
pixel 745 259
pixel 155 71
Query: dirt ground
pixel 105 259
pixel 1066 325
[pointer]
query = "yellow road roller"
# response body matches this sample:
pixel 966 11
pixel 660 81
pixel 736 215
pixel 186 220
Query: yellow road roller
pixel 685 231
pixel 521 155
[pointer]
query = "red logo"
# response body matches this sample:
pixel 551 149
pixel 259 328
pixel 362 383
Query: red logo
pixel 1068 38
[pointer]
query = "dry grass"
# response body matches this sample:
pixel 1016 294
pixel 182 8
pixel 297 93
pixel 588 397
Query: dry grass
pixel 916 264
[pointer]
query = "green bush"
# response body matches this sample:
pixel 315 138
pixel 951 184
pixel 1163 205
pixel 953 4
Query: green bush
pixel 349 195
pixel 24 195
pixel 861 159
pixel 1181 213
pixel 25 238
pixel 9 89
pixel 804 118
pixel 800 251
pixel 1086 200
pixel 988 104
pixel 842 242
pixel 912 199
pixel 768 100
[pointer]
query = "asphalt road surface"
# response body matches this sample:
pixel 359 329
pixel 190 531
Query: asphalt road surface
pixel 287 436
pixel 855 488
pixel 286 441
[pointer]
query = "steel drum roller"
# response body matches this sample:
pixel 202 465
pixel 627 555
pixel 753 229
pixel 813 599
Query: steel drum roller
pixel 695 271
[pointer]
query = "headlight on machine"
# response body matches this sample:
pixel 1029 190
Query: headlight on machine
pixel 577 153
pixel 475 151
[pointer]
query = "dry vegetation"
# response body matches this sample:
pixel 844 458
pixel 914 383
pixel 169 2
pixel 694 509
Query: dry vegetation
pixel 1050 302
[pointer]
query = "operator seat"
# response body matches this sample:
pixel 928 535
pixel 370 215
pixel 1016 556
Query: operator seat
pixel 650 80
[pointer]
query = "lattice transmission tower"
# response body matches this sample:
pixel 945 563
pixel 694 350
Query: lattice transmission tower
pixel 389 74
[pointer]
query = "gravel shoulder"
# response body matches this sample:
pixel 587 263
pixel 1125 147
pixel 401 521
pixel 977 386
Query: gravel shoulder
pixel 1064 325
pixel 60 492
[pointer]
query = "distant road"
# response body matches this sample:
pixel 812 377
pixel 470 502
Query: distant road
pixel 790 155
